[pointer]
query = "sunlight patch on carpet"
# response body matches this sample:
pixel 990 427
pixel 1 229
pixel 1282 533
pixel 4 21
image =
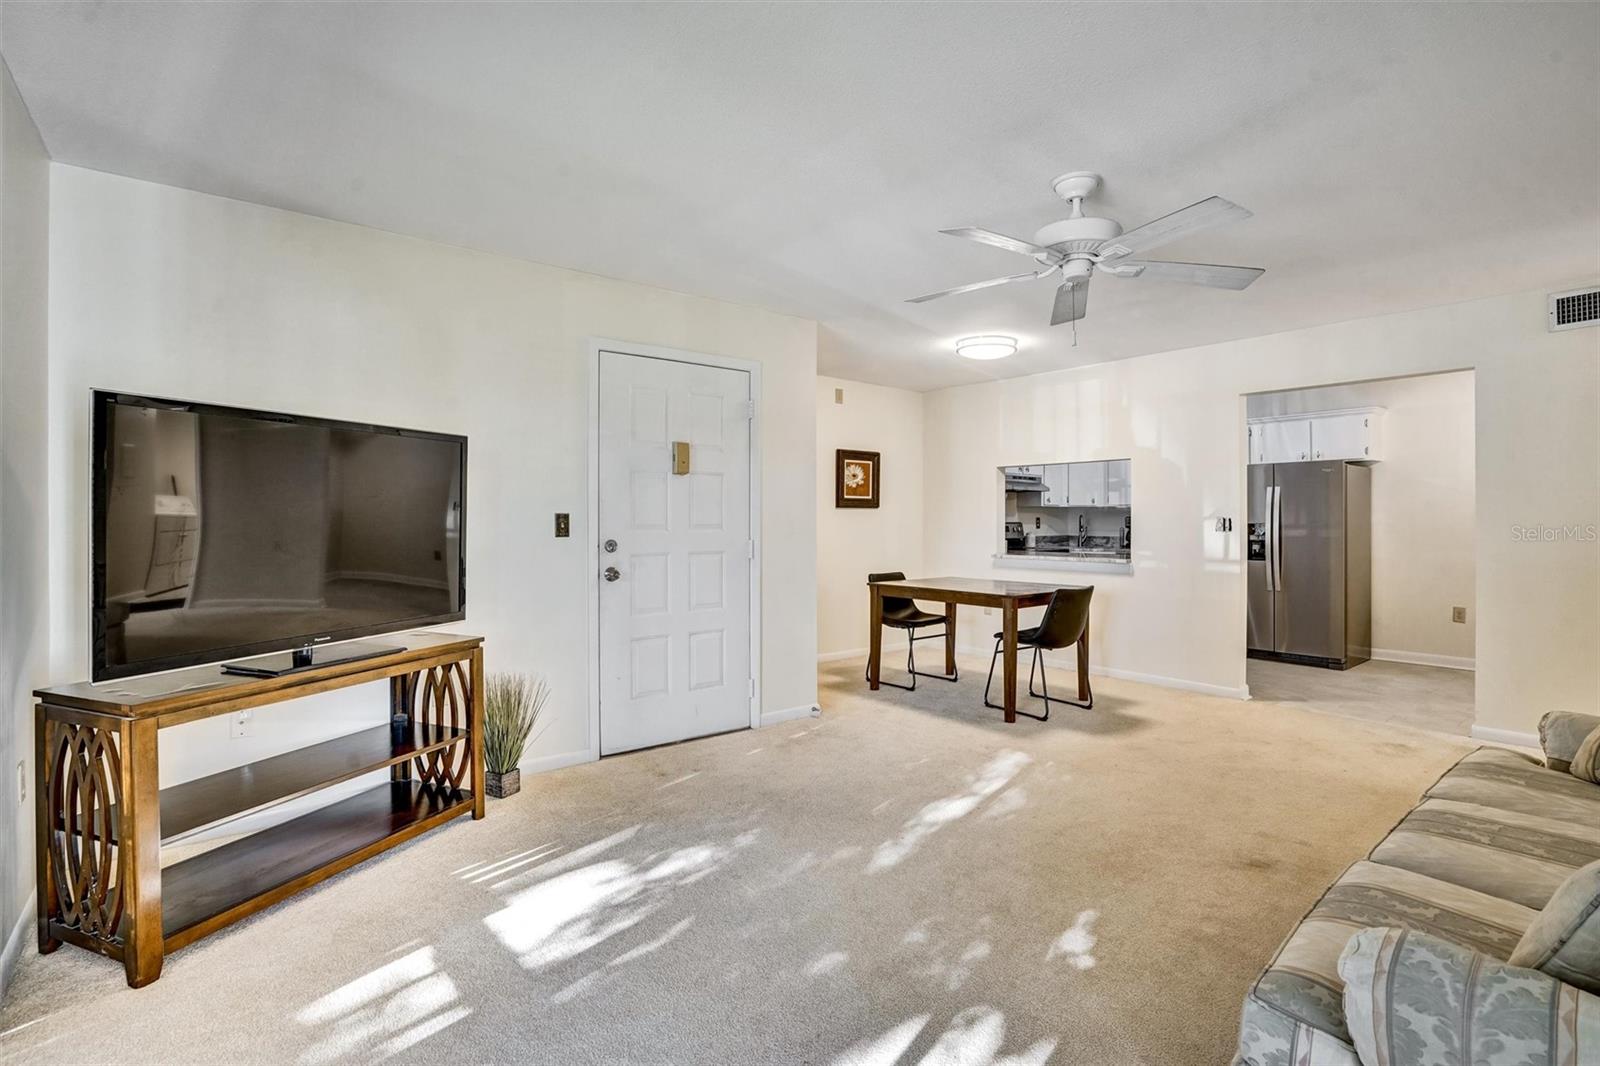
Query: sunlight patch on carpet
pixel 383 1012
pixel 940 813
pixel 1076 943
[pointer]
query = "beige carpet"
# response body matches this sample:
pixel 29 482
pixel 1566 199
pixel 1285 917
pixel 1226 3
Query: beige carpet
pixel 904 880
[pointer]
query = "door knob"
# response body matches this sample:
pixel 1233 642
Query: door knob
pixel 612 573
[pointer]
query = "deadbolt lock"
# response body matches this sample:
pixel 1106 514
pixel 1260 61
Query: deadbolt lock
pixel 610 545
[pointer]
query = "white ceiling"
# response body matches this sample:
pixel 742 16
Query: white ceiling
pixel 803 157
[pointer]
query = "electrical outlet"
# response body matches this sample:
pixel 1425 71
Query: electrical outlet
pixel 1458 614
pixel 242 724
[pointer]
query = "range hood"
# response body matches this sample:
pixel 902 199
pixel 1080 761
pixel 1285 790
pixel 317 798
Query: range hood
pixel 1018 482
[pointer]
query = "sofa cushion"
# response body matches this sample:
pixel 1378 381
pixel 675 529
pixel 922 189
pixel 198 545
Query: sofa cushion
pixel 1586 763
pixel 1564 941
pixel 1414 998
pixel 1508 781
pixel 1560 734
pixel 1515 856
pixel 1302 982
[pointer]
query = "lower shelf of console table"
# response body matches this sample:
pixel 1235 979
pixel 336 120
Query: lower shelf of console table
pixel 216 887
pixel 101 821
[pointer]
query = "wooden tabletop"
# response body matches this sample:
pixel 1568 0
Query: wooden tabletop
pixel 983 589
pixel 180 690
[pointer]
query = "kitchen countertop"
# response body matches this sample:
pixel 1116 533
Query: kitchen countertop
pixel 1045 559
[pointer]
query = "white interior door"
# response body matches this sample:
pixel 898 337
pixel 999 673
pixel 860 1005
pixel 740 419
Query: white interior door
pixel 675 586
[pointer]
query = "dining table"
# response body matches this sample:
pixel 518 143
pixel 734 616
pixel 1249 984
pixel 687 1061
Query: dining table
pixel 1008 596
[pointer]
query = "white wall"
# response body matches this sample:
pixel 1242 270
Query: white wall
pixel 853 542
pixel 169 292
pixel 24 494
pixel 1423 509
pixel 1180 415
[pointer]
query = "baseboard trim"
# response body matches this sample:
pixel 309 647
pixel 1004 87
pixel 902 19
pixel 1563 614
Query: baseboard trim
pixel 1506 736
pixel 13 949
pixel 546 763
pixel 1423 658
pixel 1240 693
pixel 835 656
pixel 789 714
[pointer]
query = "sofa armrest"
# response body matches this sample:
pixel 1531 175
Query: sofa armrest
pixel 1560 733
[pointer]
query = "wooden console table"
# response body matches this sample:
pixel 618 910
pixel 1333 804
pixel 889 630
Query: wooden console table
pixel 101 816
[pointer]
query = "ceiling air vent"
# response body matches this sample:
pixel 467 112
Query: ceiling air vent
pixel 1569 310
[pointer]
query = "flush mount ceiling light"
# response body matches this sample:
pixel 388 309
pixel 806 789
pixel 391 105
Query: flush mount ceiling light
pixel 989 346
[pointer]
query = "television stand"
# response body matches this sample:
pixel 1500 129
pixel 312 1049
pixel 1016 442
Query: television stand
pixel 101 816
pixel 293 662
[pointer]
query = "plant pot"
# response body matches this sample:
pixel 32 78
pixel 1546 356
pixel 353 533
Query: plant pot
pixel 502 785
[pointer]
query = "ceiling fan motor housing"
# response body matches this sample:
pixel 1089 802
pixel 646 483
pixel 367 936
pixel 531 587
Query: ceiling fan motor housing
pixel 1077 235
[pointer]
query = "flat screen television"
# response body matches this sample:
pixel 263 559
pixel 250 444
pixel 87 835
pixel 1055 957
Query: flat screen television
pixel 220 533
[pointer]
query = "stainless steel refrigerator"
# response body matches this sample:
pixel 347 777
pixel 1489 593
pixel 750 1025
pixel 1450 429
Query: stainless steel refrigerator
pixel 1310 558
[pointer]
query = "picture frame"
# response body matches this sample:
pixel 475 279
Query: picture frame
pixel 857 477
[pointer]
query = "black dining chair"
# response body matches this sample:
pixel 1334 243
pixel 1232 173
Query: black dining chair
pixel 1066 618
pixel 902 612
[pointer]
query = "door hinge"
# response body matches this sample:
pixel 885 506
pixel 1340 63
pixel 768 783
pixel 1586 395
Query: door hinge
pixel 749 549
pixel 752 688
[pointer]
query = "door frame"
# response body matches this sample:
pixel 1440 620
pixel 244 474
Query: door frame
pixel 594 346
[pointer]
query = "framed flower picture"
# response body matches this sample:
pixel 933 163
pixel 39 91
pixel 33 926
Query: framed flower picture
pixel 855 478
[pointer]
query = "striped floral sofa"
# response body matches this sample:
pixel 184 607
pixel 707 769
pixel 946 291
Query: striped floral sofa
pixel 1473 863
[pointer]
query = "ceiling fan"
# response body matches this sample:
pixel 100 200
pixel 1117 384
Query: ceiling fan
pixel 1080 244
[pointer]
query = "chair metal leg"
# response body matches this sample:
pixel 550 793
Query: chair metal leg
pixel 992 659
pixel 1037 666
pixel 911 664
pixel 1044 680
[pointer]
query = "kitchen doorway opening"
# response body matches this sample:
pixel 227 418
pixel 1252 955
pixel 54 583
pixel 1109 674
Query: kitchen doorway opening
pixel 1359 549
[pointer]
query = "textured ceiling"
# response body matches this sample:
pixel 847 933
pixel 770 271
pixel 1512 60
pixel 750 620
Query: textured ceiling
pixel 802 157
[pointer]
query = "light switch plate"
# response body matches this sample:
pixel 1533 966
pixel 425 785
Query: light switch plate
pixel 563 524
pixel 1458 614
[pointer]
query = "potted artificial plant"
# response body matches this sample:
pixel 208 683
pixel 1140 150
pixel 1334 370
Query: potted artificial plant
pixel 509 713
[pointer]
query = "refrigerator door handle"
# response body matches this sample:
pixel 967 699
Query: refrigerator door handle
pixel 1274 531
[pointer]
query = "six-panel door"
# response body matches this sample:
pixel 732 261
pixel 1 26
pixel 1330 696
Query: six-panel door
pixel 675 622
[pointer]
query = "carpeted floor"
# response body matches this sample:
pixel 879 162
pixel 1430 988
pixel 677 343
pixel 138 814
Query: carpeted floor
pixel 904 880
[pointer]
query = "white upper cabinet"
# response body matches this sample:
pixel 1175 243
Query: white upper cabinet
pixel 1055 486
pixel 1352 435
pixel 1285 440
pixel 1086 484
pixel 1119 483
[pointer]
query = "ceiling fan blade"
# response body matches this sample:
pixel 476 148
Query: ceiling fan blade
pixel 999 240
pixel 1217 277
pixel 1209 212
pixel 973 287
pixel 1072 300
